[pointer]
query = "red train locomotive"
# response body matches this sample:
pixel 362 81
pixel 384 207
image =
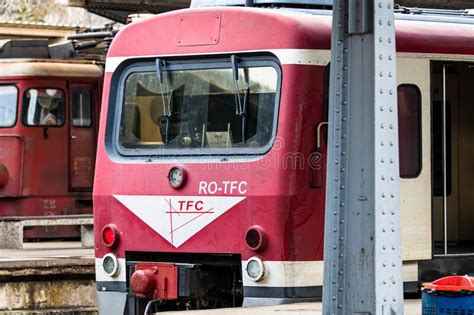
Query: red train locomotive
pixel 48 127
pixel 212 151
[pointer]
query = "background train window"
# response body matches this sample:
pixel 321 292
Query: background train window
pixel 202 108
pixel 409 130
pixel 437 147
pixel 82 108
pixel 8 105
pixel 43 107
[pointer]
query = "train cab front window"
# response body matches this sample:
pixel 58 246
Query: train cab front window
pixel 185 109
pixel 43 107
pixel 8 105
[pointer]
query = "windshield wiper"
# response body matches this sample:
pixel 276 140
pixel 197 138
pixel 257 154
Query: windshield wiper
pixel 240 107
pixel 167 110
pixel 244 112
pixel 235 76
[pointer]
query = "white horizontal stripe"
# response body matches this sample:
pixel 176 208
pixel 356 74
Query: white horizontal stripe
pixel 312 57
pixel 289 56
pixel 100 274
pixel 278 273
pixel 287 274
pixel 285 56
pixel 306 273
pixel 436 56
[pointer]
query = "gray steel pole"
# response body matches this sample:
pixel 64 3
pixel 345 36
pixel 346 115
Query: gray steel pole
pixel 362 259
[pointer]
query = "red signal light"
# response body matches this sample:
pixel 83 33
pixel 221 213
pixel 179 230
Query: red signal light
pixel 109 235
pixel 255 238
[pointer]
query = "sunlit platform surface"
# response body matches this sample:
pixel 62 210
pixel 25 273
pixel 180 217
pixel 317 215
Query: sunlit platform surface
pixel 412 307
pixel 47 251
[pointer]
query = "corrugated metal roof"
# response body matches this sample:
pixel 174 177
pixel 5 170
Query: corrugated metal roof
pixel 43 25
pixel 118 10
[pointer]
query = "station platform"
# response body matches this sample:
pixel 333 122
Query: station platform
pixel 58 278
pixel 412 307
pixel 48 278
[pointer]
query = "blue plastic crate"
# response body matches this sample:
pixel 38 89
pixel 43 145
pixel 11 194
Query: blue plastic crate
pixel 447 303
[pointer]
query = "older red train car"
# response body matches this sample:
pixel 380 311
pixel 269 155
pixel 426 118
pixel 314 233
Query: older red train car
pixel 210 187
pixel 48 127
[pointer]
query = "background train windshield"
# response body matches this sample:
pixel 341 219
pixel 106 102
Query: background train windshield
pixel 8 101
pixel 205 109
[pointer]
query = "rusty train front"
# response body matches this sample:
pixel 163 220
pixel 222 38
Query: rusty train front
pixel 48 127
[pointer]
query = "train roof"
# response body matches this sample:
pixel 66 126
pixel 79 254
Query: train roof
pixel 320 7
pixel 265 29
pixel 288 3
pixel 411 14
pixel 49 68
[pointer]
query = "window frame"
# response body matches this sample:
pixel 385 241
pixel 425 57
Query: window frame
pixel 91 92
pixel 116 105
pixel 420 128
pixel 25 112
pixel 16 105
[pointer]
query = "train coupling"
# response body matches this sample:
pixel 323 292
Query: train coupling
pixel 163 281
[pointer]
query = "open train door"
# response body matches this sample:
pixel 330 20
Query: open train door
pixel 83 114
pixel 414 101
pixel 453 160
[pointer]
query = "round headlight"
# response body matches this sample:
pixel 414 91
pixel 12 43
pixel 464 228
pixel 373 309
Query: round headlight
pixel 177 176
pixel 110 265
pixel 255 269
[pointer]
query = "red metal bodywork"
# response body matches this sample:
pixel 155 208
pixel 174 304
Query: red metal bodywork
pixel 279 197
pixel 280 201
pixel 82 145
pixel 41 180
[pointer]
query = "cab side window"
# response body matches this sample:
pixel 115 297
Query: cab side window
pixel 8 102
pixel 43 107
pixel 82 108
pixel 409 130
